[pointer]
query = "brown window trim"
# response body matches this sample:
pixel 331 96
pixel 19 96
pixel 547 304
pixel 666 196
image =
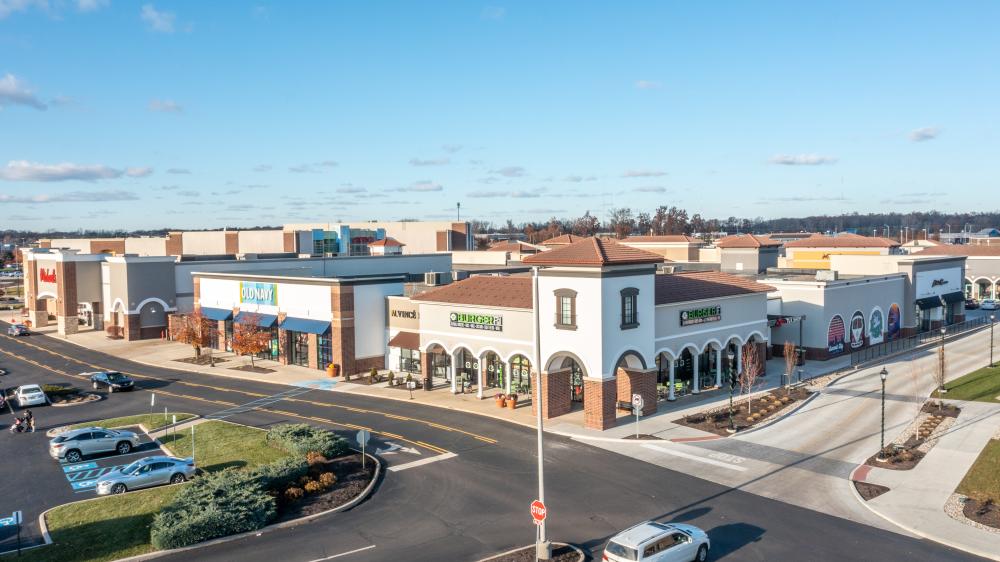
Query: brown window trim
pixel 571 295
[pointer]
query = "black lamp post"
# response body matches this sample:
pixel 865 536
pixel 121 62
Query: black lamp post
pixel 732 387
pixel 941 361
pixel 881 452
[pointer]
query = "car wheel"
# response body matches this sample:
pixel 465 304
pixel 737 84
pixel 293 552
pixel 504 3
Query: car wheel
pixel 111 389
pixel 177 478
pixel 95 386
pixel 73 456
pixel 124 448
pixel 119 489
pixel 702 554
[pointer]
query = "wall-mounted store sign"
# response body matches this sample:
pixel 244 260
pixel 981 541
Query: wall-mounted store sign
pixel 701 315
pixel 491 322
pixel 47 275
pixel 404 314
pixel 259 293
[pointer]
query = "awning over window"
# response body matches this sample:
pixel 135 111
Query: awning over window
pixel 934 302
pixel 957 296
pixel 405 340
pixel 220 314
pixel 305 325
pixel 263 320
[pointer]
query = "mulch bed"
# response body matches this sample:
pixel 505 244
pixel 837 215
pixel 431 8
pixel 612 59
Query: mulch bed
pixel 201 360
pixel 987 513
pixel 351 481
pixel 641 436
pixel 77 398
pixel 869 490
pixel 564 553
pixel 903 459
pixel 252 369
pixel 717 420
pixel 946 410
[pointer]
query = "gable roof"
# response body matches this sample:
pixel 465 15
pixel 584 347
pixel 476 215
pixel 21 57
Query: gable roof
pixel 594 252
pixel 513 246
pixel 389 242
pixel 842 241
pixel 961 250
pixel 747 241
pixel 483 290
pixel 664 239
pixel 698 285
pixel 562 240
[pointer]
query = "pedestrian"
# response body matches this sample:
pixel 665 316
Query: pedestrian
pixel 29 418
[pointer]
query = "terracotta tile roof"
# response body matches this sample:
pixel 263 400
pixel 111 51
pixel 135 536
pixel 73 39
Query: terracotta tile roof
pixel 392 242
pixel 594 252
pixel 664 239
pixel 697 285
pixel 512 246
pixel 960 250
pixel 483 290
pixel 842 241
pixel 562 240
pixel 405 340
pixel 747 241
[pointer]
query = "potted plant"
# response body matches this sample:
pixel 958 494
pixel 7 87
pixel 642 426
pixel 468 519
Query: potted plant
pixel 391 378
pixel 373 376
pixel 330 370
pixel 501 399
pixel 512 401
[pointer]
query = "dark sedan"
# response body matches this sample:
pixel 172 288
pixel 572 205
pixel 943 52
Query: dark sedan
pixel 971 304
pixel 113 380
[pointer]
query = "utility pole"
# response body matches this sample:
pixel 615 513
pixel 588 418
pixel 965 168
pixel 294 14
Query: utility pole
pixel 543 549
pixel 458 211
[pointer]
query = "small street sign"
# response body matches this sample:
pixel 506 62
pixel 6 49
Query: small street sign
pixel 538 512
pixel 363 436
pixel 637 402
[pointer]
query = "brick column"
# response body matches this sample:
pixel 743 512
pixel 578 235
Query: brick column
pixel 131 328
pixel 98 316
pixel 426 371
pixel 66 303
pixel 642 383
pixel 314 352
pixel 342 327
pixel 220 329
pixel 232 242
pixel 599 397
pixel 38 312
pixel 555 399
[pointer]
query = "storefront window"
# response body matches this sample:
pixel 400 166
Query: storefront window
pixel 213 334
pixel 229 335
pixel 494 371
pixel 272 353
pixel 576 383
pixel 409 361
pixel 298 347
pixel 520 375
pixel 466 367
pixel 441 366
pixel 325 344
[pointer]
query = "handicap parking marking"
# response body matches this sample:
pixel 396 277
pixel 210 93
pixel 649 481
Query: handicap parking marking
pixel 320 384
pixel 79 466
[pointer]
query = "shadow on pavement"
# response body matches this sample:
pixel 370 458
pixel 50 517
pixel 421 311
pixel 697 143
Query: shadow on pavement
pixel 727 539
pixel 691 514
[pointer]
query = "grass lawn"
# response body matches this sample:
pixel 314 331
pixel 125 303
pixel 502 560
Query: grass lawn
pixel 984 476
pixel 981 386
pixel 118 526
pixel 220 445
pixel 154 421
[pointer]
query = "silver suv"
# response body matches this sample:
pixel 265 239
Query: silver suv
pixel 146 472
pixel 74 444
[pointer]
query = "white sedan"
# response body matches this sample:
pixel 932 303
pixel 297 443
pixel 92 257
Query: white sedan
pixel 989 304
pixel 30 395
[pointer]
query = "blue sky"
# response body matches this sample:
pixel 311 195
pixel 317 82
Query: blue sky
pixel 203 114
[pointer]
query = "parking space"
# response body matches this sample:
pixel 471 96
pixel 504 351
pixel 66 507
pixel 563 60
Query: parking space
pixel 82 477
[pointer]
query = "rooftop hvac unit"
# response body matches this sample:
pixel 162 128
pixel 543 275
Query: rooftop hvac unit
pixel 459 275
pixel 435 278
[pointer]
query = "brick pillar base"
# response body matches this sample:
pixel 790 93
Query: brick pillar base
pixel 426 370
pixel 555 398
pixel 314 352
pixel 39 318
pixel 599 397
pixel 642 383
pixel 67 325
pixel 132 330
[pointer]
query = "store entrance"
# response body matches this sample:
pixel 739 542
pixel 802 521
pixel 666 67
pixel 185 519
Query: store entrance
pixel 496 371
pixel 298 348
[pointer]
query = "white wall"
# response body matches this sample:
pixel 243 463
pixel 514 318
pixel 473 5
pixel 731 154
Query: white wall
pixel 146 246
pixel 616 341
pixel 204 243
pixel 479 258
pixel 435 327
pixel 297 300
pixel 370 317
pixel 742 316
pixel 261 241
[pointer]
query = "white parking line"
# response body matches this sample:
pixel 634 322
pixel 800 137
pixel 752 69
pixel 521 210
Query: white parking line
pixel 355 551
pixel 422 462
pixel 695 458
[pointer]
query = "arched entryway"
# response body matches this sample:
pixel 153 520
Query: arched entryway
pixel 494 371
pixel 465 369
pixel 520 374
pixel 985 289
pixel 567 362
pixel 439 362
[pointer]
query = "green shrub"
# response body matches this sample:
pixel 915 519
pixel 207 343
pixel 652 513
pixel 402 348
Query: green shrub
pixel 294 494
pixel 58 390
pixel 327 479
pixel 280 473
pixel 215 505
pixel 313 487
pixel 300 439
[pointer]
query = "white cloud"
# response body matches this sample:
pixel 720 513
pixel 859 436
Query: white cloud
pixel 451 148
pixel 91 5
pixel 643 174
pixel 72 197
pixel 924 134
pixel 577 179
pixel 494 194
pixel 8 7
pixel 188 193
pixel 801 159
pixel 524 194
pixel 651 189
pixel 162 22
pixel 488 194
pixel 493 13
pixel 22 170
pixel 165 106
pixel 351 190
pixel 510 171
pixel 430 162
pixel 262 168
pixel 178 171
pixel 425 185
pixel 15 92
pixel 311 168
pixel 647 84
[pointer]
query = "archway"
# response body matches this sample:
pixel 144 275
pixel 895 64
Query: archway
pixel 465 369
pixel 520 374
pixel 152 320
pixel 494 371
pixel 984 289
pixel 566 361
pixel 439 362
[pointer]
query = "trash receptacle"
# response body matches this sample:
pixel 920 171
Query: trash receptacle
pixel 800 357
pixel 427 384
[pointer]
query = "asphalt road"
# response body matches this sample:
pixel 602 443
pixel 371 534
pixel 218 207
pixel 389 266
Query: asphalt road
pixel 461 507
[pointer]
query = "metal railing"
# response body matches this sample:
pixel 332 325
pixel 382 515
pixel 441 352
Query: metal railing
pixel 905 344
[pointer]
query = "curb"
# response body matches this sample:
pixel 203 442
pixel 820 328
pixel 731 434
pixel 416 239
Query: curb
pixel 98 399
pixel 777 419
pixel 513 550
pixel 915 532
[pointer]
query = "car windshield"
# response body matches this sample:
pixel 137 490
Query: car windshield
pixel 132 468
pixel 621 551
pixel 116 377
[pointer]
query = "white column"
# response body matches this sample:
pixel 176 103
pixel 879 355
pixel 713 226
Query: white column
pixel 454 374
pixel 670 388
pixel 479 382
pixel 718 367
pixel 696 359
pixel 506 377
pixel 739 360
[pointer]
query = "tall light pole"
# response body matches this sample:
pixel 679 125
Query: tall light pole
pixel 543 549
pixel 881 451
pixel 941 362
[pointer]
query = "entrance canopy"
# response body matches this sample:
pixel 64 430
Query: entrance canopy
pixel 305 325
pixel 934 302
pixel 263 320
pixel 219 314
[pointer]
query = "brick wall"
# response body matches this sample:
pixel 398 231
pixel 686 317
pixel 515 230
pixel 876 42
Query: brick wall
pixel 342 328
pixel 107 247
pixel 638 382
pixel 426 369
pixel 175 244
pixel 365 365
pixel 131 326
pixel 288 240
pixel 599 397
pixel 232 242
pixel 555 398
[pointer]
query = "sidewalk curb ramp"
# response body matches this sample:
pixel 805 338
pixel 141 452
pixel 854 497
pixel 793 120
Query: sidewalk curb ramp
pixel 554 544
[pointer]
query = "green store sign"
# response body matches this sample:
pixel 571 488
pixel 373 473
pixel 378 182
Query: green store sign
pixel 701 315
pixel 491 322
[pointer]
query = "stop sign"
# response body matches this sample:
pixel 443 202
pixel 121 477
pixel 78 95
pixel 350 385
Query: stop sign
pixel 538 511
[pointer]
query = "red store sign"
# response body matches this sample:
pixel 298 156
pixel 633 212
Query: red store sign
pixel 47 275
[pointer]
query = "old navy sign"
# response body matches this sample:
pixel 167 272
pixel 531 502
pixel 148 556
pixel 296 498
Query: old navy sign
pixel 701 315
pixel 259 293
pixel 491 322
pixel 47 275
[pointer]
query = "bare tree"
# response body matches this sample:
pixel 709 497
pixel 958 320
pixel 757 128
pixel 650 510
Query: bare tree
pixel 752 365
pixel 620 220
pixel 789 352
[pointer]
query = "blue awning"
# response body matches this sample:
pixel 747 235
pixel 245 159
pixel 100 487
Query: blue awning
pixel 305 325
pixel 220 314
pixel 263 320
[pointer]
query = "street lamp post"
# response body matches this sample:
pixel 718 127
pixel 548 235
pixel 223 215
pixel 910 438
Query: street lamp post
pixel 941 361
pixel 732 387
pixel 881 452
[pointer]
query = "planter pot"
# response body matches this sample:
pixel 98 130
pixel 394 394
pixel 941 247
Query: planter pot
pixel 512 403
pixel 500 402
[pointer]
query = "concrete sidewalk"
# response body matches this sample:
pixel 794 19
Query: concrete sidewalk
pixel 917 497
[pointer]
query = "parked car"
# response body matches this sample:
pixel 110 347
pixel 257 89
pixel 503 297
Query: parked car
pixel 74 444
pixel 971 304
pixel 658 542
pixel 989 304
pixel 146 472
pixel 18 330
pixel 113 380
pixel 30 395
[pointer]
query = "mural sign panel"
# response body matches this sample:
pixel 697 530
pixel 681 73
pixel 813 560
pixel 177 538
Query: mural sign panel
pixel 857 330
pixel 835 335
pixel 893 322
pixel 876 327
pixel 252 292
